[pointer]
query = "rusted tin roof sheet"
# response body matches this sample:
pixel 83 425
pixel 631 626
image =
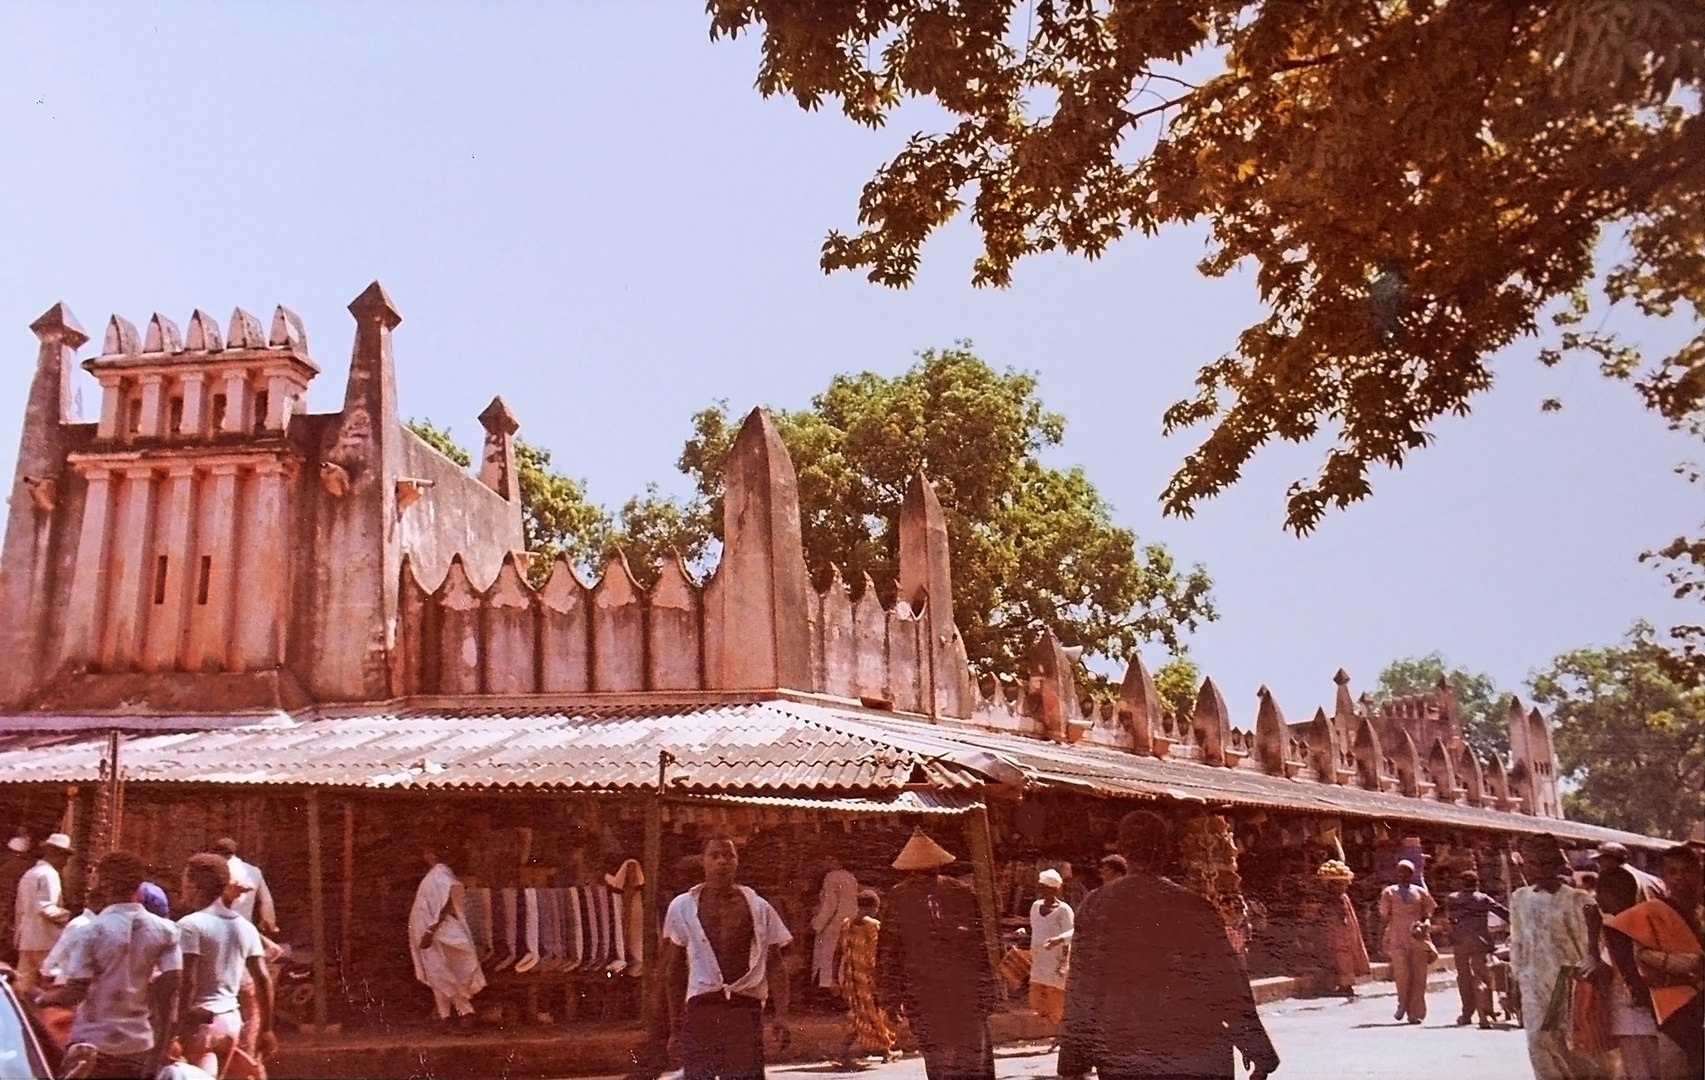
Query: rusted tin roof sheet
pixel 781 746
pixel 765 746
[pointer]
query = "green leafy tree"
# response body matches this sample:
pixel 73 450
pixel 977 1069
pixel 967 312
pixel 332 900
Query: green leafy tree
pixel 556 517
pixel 1630 738
pixel 441 440
pixel 1484 709
pixel 1033 546
pixel 1177 681
pixel 1416 183
pixel 652 525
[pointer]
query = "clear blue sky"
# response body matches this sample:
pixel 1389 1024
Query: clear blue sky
pixel 588 209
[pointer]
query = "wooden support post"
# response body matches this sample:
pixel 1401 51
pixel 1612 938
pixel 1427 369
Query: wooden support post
pixel 70 823
pixel 653 873
pixel 983 866
pixel 317 900
pixel 348 927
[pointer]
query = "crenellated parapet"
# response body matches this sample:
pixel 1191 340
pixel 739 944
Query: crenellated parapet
pixel 756 623
pixel 1358 745
pixel 568 636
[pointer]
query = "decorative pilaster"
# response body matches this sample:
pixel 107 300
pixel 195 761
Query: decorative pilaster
pixel 210 611
pixel 82 642
pixel 172 571
pixel 264 573
pixel 122 647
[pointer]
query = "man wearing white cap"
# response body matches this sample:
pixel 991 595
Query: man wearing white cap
pixel 41 917
pixel 14 860
pixel 1050 947
pixel 1402 908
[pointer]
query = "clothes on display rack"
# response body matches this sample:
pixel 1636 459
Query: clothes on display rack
pixel 545 930
pixel 573 926
pixel 478 903
pixel 508 905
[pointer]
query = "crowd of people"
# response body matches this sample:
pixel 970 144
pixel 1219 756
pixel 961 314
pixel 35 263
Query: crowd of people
pixel 1606 979
pixel 1140 980
pixel 122 990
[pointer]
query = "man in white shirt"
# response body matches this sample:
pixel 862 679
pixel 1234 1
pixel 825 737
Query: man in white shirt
pixel 41 917
pixel 219 947
pixel 714 931
pixel 1050 948
pixel 108 977
pixel 255 904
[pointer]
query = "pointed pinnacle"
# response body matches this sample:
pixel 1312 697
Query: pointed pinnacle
pixel 498 420
pixel 373 304
pixel 59 325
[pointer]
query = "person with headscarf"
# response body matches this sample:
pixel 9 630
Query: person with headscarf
pixel 1155 987
pixel 932 962
pixel 1633 1023
pixel 1050 948
pixel 867 1024
pixel 1345 949
pixel 1549 945
pixel 1667 936
pixel 1405 911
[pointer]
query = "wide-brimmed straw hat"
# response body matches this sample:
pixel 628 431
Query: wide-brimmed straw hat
pixel 922 853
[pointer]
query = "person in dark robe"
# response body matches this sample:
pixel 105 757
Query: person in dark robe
pixel 932 962
pixel 1471 944
pixel 1155 989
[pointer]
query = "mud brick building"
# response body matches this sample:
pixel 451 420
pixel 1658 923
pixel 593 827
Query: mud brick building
pixel 224 615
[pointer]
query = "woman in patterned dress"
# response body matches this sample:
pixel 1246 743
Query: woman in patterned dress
pixel 867 1023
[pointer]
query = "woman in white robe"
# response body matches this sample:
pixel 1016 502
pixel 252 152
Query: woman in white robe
pixel 445 958
pixel 837 904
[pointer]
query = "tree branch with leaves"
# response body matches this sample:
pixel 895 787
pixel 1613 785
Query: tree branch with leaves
pixel 1416 184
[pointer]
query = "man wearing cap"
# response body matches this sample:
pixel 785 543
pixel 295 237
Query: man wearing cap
pixel 1155 989
pixel 14 860
pixel 1404 911
pixel 1050 948
pixel 932 962
pixel 41 917
pixel 725 939
pixel 1471 944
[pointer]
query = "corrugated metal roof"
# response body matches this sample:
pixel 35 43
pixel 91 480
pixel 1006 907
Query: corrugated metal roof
pixel 1107 771
pixel 915 801
pixel 781 745
pixel 766 746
